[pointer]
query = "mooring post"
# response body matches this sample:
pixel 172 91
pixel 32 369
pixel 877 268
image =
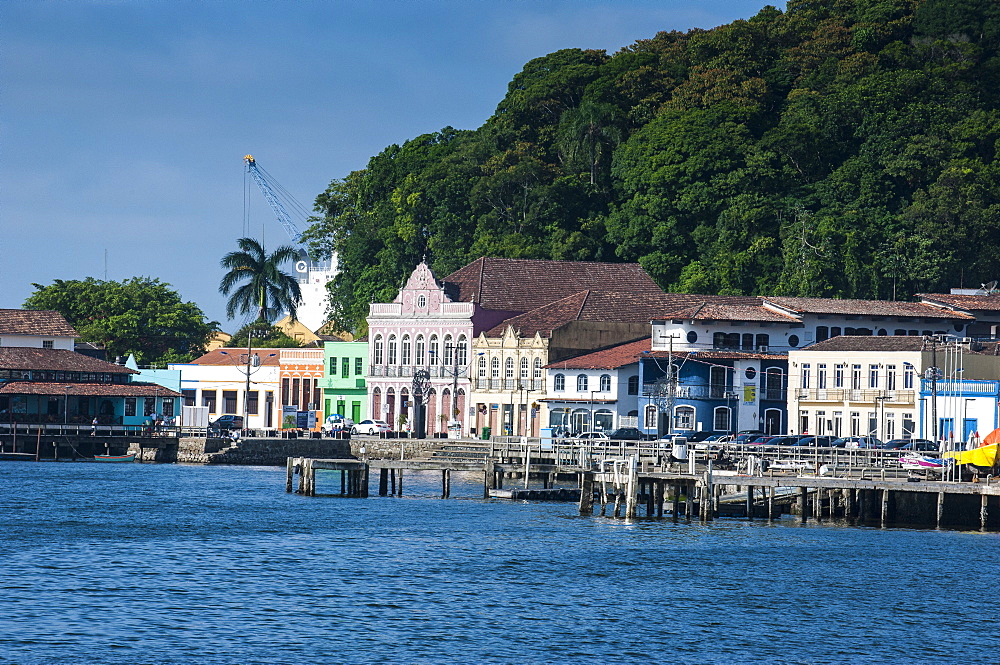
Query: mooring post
pixel 658 489
pixel 676 505
pixel 818 504
pixel 689 501
pixel 444 483
pixel 983 514
pixel 301 464
pixel 383 482
pixel 289 473
pixel 392 482
pixel 604 496
pixel 803 503
pixel 750 502
pixel 586 493
pixel 770 503
pixel 940 509
pixel 850 501
pixel 488 479
pixel 884 513
pixel 632 488
pixel 399 481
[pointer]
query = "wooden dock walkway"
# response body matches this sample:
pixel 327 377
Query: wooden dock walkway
pixel 622 479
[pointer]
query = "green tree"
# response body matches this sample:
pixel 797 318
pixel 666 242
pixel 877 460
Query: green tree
pixel 267 289
pixel 265 336
pixel 141 316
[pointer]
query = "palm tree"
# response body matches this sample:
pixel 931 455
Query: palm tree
pixel 267 290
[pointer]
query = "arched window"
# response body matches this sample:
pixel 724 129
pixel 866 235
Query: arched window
pixel 538 368
pixel 581 383
pixel 419 348
pixel 421 301
pixel 449 351
pixel 433 352
pixel 633 385
pixel 684 418
pixel 605 383
pixel 721 422
pixel 377 356
pixel 508 370
pixel 462 350
pixel 495 368
pixel 524 368
pixel 392 350
pixel 559 382
pixel 482 366
pixel 405 355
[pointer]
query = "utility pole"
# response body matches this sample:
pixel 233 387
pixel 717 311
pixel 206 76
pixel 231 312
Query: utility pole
pixel 933 373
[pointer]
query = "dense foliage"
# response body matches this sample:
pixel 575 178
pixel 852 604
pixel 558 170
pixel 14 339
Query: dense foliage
pixel 265 336
pixel 839 148
pixel 141 316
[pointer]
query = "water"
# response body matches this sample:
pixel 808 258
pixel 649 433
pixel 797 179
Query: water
pixel 182 564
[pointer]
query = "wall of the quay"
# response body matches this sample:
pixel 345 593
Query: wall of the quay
pixel 248 452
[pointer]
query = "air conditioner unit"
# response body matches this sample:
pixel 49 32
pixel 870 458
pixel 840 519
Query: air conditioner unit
pixel 763 349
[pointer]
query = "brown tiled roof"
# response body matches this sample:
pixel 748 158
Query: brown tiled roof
pixel 594 305
pixel 862 307
pixel 521 285
pixel 871 343
pixel 610 358
pixel 231 356
pixel 731 311
pixel 40 322
pixel 19 357
pixel 719 355
pixel 983 303
pixel 86 389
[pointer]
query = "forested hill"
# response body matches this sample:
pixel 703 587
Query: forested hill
pixel 838 148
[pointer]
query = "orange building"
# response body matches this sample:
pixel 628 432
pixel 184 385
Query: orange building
pixel 301 379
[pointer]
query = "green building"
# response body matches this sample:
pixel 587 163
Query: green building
pixel 344 389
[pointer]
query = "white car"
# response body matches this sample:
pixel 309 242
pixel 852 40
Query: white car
pixel 371 427
pixel 591 436
pixel 337 423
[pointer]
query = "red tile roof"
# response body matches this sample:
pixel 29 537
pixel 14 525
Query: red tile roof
pixel 610 358
pixel 86 389
pixel 982 303
pixel 596 305
pixel 231 356
pixel 862 307
pixel 719 355
pixel 38 322
pixel 521 285
pixel 731 311
pixel 891 343
pixel 20 357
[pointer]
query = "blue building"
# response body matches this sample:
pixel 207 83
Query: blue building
pixel 715 391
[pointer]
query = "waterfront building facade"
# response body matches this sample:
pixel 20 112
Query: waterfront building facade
pixel 872 386
pixel 301 374
pixel 218 381
pixel 344 388
pixel 431 326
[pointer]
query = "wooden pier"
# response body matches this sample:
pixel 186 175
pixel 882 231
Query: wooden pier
pixel 632 481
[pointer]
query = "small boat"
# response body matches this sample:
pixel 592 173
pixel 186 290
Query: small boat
pixel 115 458
pixel 984 456
pixel 914 462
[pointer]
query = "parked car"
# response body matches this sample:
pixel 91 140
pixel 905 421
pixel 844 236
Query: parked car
pixel 746 436
pixel 915 445
pixel 695 437
pixel 592 436
pixel 370 427
pixel 337 423
pixel 760 440
pixel 855 442
pixel 788 440
pixel 627 434
pixel 821 441
pixel 227 422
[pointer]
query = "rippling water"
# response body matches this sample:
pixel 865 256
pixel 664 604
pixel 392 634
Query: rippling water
pixel 181 564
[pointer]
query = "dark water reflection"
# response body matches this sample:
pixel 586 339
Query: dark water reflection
pixel 174 564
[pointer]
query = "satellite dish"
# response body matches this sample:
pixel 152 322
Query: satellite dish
pixel 990 287
pixel 301 266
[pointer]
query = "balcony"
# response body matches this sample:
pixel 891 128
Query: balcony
pixel 856 396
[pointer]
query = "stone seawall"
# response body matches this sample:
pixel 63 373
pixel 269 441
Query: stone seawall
pixel 391 448
pixel 248 452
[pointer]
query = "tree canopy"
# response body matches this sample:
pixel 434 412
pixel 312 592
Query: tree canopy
pixel 266 290
pixel 842 149
pixel 141 316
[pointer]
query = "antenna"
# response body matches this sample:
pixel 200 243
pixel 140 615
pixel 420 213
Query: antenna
pixel 990 287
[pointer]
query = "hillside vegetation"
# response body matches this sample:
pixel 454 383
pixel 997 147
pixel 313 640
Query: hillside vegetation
pixel 842 148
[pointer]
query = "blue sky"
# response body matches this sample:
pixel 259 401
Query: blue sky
pixel 123 125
